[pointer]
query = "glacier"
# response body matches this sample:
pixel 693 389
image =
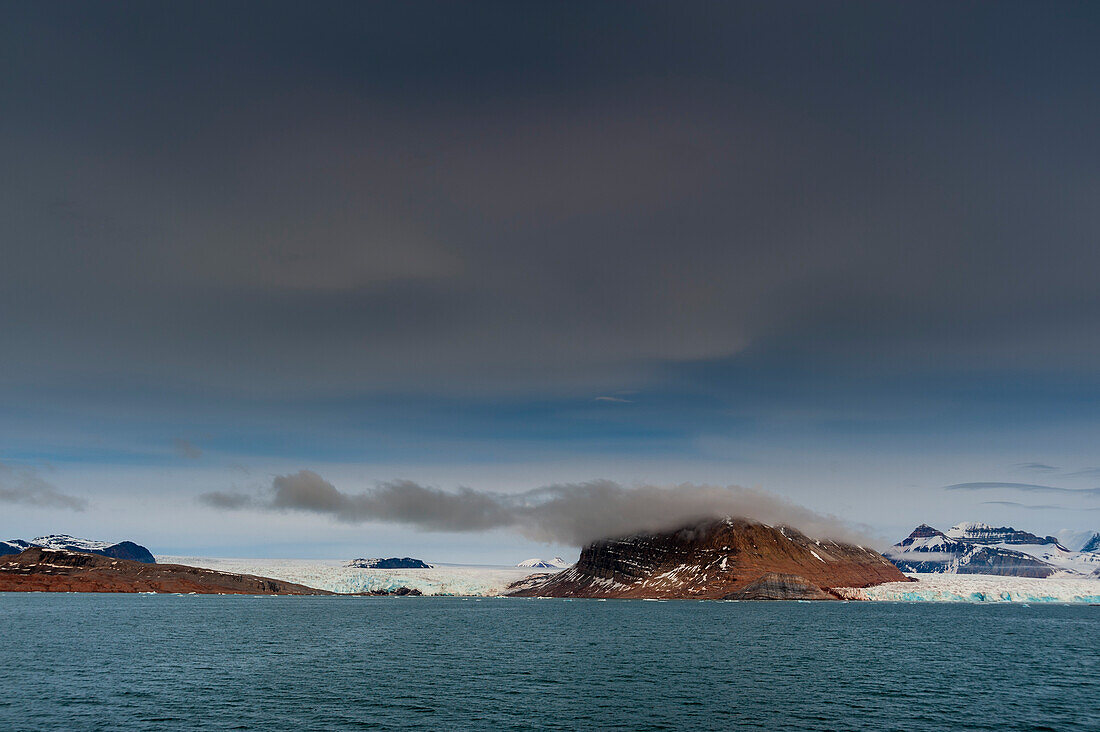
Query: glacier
pixel 333 575
pixel 981 588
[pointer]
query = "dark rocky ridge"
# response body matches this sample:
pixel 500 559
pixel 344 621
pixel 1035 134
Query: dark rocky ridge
pixel 983 534
pixel 52 570
pixel 713 560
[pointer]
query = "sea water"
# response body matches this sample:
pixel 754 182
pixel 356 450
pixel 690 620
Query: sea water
pixel 169 662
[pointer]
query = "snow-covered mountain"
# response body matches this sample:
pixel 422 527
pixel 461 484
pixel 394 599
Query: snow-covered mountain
pixel 975 548
pixel 119 550
pixel 536 563
pixel 71 543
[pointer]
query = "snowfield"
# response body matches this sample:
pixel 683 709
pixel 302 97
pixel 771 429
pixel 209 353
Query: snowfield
pixel 981 588
pixel 333 575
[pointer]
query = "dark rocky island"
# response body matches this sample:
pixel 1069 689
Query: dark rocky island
pixel 390 563
pixel 724 559
pixel 55 570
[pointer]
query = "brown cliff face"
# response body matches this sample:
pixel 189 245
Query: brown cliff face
pixel 50 570
pixel 714 560
pixel 774 586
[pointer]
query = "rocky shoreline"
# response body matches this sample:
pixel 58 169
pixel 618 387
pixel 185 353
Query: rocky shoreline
pixel 54 570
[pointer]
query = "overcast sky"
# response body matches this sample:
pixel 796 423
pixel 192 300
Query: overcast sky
pixel 841 254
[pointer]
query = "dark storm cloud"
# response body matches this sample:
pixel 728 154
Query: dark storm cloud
pixel 504 197
pixel 572 513
pixel 21 484
pixel 1023 487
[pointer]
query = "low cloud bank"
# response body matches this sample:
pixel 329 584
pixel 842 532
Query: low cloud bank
pixel 568 513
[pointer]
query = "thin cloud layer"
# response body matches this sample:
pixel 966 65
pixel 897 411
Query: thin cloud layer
pixel 1023 487
pixel 567 513
pixel 1036 467
pixel 1029 506
pixel 1038 507
pixel 24 485
pixel 1084 473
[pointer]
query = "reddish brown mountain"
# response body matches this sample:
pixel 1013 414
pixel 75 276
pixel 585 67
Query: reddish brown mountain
pixel 50 570
pixel 734 558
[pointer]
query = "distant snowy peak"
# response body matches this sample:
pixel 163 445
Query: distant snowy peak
pixel 536 563
pixel 1092 545
pixel 64 542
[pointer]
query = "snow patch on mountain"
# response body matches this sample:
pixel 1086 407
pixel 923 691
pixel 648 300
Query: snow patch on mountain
pixel 70 543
